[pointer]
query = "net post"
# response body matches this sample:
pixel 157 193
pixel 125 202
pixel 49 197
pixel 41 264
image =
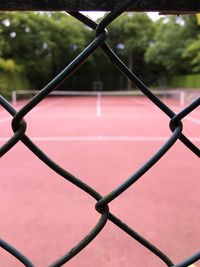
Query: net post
pixel 182 98
pixel 98 104
pixel 14 98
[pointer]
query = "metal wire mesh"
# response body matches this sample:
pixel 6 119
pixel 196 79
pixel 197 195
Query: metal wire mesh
pixel 102 206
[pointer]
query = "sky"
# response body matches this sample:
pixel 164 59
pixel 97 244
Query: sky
pixel 96 15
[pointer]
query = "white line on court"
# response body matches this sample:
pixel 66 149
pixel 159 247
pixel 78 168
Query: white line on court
pixel 98 105
pixel 5 119
pixel 43 106
pixel 8 118
pixel 100 138
pixel 189 118
pixel 197 121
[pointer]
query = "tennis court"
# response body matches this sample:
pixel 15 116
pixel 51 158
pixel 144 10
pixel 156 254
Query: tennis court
pixel 102 140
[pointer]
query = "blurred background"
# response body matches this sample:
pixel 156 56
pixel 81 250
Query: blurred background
pixel 36 46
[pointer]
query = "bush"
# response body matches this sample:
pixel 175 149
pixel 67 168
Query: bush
pixel 10 82
pixel 8 65
pixel 186 81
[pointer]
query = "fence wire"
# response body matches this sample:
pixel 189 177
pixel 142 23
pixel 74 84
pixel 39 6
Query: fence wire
pixel 102 205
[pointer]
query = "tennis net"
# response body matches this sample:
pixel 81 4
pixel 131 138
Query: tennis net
pixel 177 97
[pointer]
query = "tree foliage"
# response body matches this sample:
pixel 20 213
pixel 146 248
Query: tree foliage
pixel 173 36
pixel 130 36
pixel 41 43
pixel 37 45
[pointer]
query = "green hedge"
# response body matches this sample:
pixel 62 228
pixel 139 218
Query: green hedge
pixel 12 81
pixel 186 81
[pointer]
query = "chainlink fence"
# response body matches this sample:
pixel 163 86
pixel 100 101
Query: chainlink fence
pixel 102 206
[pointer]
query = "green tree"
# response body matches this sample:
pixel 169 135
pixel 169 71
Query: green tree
pixel 192 53
pixel 192 49
pixel 10 71
pixel 42 43
pixel 167 47
pixel 172 36
pixel 130 36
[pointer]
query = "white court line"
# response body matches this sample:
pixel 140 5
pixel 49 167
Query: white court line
pixel 197 121
pixel 98 105
pixel 179 108
pixel 100 138
pixel 189 118
pixel 5 119
pixel 8 118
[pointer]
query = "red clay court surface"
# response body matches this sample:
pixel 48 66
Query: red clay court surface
pixel 102 141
